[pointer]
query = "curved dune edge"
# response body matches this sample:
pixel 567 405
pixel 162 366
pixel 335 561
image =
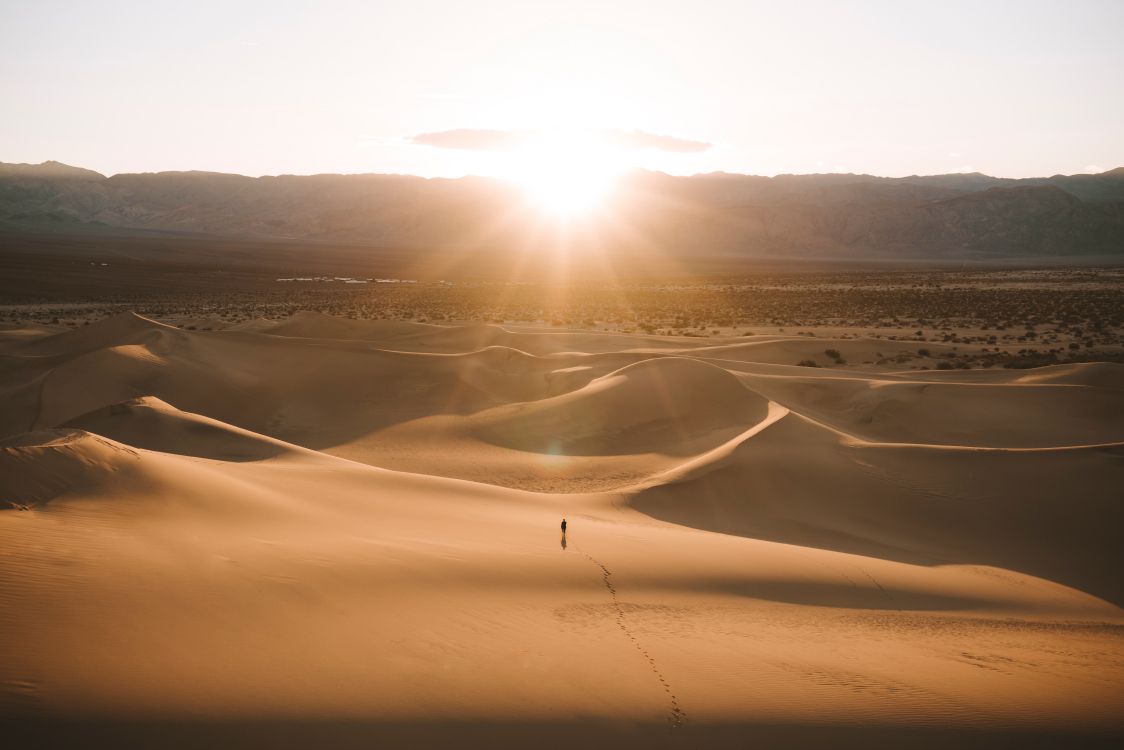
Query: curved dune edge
pixel 150 423
pixel 930 505
pixel 749 541
pixel 640 408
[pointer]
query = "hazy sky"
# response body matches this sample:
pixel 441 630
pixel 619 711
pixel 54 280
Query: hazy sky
pixel 434 88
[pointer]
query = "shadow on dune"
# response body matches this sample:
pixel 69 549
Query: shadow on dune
pixel 972 414
pixel 36 467
pixel 155 425
pixel 1054 514
pixel 822 594
pixel 408 336
pixel 344 734
pixel 324 393
pixel 672 406
pixel 315 393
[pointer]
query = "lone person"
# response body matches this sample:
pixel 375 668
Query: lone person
pixel 563 525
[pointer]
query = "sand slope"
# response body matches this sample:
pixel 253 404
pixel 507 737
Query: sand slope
pixel 273 525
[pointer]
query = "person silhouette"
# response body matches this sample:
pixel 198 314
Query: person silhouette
pixel 563 525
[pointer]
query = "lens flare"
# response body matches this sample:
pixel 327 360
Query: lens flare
pixel 565 174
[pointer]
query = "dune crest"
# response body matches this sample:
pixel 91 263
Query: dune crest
pixel 658 404
pixel 36 467
pixel 152 424
pixel 345 518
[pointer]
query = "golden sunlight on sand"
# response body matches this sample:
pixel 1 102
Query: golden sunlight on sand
pixel 327 520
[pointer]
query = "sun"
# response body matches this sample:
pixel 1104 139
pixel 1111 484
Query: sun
pixel 565 174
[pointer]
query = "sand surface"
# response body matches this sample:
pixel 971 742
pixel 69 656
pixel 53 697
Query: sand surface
pixel 325 530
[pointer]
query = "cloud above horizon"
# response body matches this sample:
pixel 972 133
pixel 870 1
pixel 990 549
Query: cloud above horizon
pixel 475 139
pixel 471 139
pixel 642 139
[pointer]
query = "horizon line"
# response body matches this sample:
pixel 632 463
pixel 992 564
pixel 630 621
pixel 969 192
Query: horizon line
pixel 633 170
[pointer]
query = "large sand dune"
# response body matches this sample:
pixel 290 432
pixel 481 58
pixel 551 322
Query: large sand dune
pixel 325 530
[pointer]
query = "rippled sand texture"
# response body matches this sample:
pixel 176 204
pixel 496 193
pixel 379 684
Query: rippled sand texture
pixel 355 523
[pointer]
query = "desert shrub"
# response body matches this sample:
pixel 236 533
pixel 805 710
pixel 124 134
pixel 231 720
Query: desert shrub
pixel 923 352
pixel 944 364
pixel 807 363
pixel 833 353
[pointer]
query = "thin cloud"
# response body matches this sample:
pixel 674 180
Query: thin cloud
pixel 641 139
pixel 471 139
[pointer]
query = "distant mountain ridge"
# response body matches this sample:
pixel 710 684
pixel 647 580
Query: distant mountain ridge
pixel 824 216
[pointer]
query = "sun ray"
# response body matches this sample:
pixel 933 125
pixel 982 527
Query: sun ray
pixel 566 174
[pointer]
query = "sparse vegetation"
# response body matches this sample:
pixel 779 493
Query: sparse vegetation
pixel 996 318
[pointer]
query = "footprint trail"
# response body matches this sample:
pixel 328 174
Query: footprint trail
pixel 676 716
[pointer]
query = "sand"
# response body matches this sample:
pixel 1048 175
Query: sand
pixel 327 532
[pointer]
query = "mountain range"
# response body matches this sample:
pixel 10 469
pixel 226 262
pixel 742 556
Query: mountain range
pixel 841 216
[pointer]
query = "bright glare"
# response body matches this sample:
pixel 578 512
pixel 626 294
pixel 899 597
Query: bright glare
pixel 566 174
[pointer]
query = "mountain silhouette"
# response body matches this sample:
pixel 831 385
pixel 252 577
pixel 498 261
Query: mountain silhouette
pixel 802 216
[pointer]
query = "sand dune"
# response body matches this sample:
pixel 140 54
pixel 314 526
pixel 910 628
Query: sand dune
pixel 152 424
pixel 119 330
pixel 422 337
pixel 320 326
pixel 932 412
pixel 40 466
pixel 925 504
pixel 272 523
pixel 661 404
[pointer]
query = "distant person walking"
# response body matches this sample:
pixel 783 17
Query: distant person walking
pixel 563 525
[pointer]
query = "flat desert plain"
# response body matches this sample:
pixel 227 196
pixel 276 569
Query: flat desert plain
pixel 322 532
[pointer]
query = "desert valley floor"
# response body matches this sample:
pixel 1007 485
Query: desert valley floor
pixel 343 523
